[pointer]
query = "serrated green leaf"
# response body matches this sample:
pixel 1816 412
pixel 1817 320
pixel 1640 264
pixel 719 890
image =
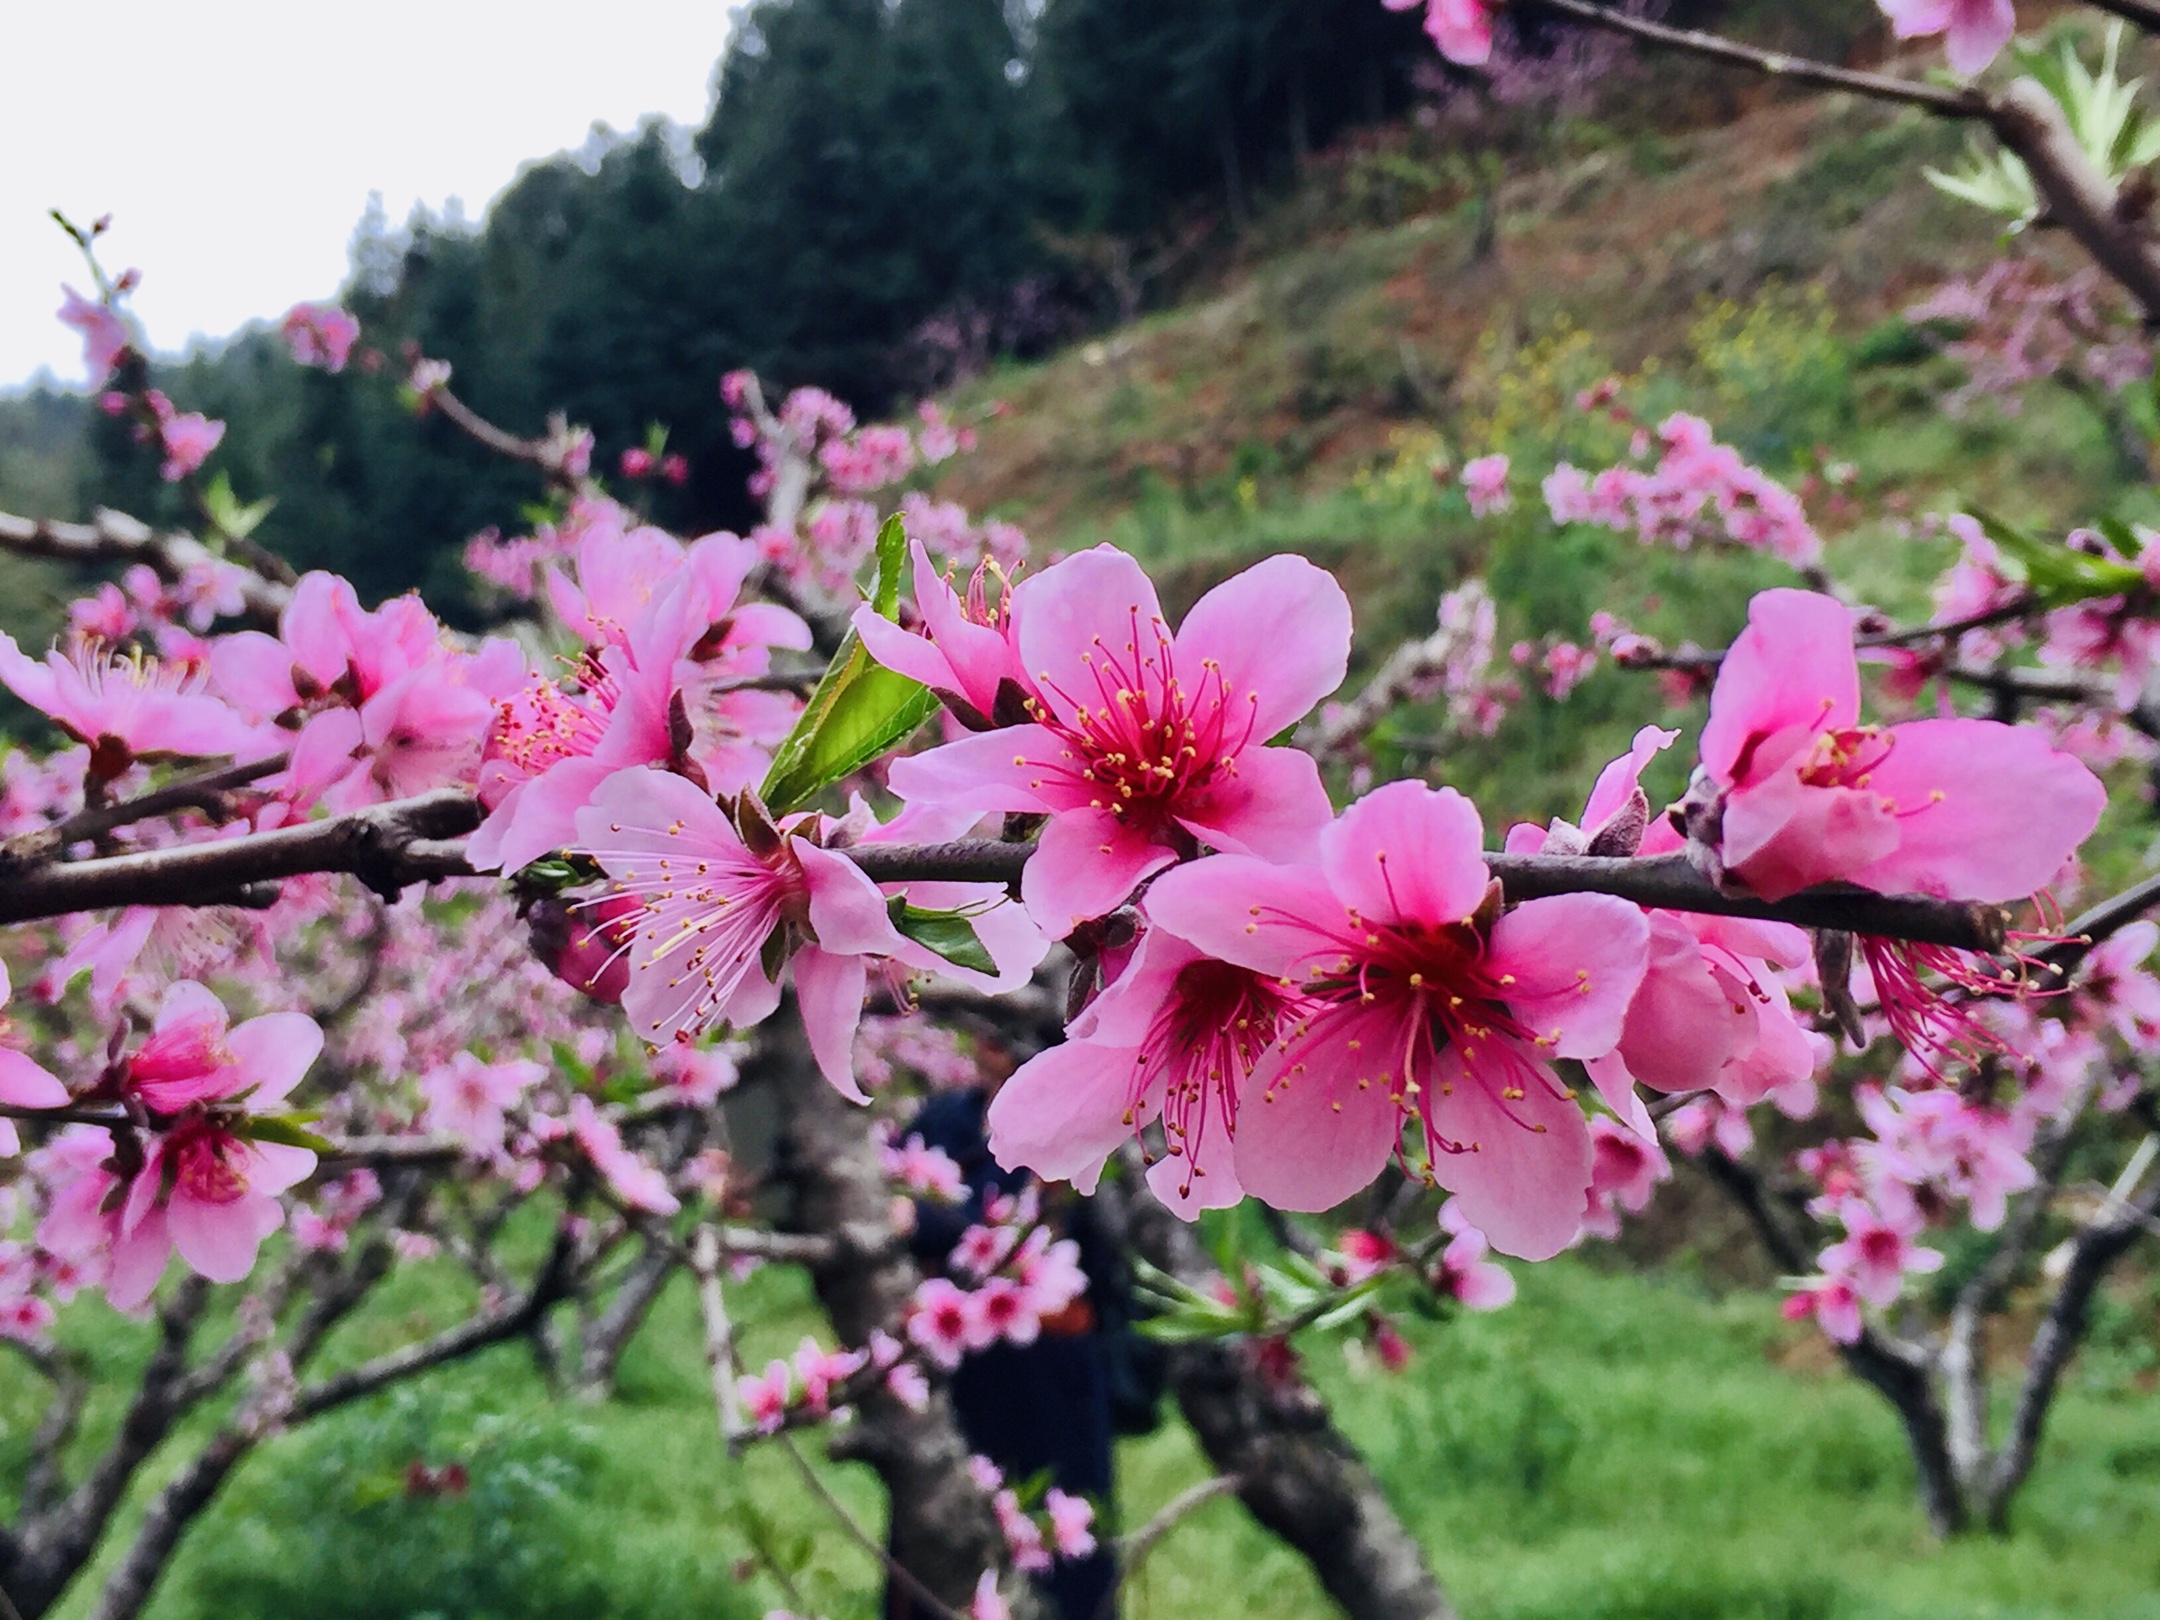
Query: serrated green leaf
pixel 949 933
pixel 2055 573
pixel 860 711
pixel 891 559
pixel 287 1130
pixel 1305 1271
pixel 1284 1293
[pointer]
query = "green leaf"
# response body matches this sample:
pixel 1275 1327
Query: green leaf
pixel 232 518
pixel 891 558
pixel 287 1130
pixel 2055 573
pixel 552 874
pixel 949 933
pixel 860 711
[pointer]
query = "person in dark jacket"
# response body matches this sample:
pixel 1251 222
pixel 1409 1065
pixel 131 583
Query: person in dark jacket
pixel 1052 1408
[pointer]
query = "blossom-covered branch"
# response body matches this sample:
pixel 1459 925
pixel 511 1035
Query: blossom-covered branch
pixel 416 841
pixel 176 558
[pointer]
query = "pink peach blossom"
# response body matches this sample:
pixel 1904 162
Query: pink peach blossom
pixel 1977 29
pixel 942 1322
pixel 1461 28
pixel 188 438
pixel 1833 1305
pixel 1430 1005
pixel 1072 1523
pixel 1174 1037
pixel 468 1098
pixel 1625 1169
pixel 713 908
pixel 632 1179
pixel 962 648
pixel 105 336
pixel 129 707
pixel 1796 791
pixel 320 335
pixel 23 1083
pixel 1485 481
pixel 193 1055
pixel 1876 1253
pixel 1463 1273
pixel 1145 746
pixel 765 1398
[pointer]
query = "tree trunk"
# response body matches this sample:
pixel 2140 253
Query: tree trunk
pixel 944 1531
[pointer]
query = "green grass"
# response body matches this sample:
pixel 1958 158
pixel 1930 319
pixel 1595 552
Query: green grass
pixel 1613 1447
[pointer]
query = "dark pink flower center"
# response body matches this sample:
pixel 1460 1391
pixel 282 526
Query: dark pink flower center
pixel 202 1155
pixel 1143 739
pixel 544 725
pixel 1428 988
pixel 1845 759
pixel 1211 1030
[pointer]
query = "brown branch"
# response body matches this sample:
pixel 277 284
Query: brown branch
pixel 1668 882
pixel 506 1321
pixel 918 1592
pixel 1898 1371
pixel 115 537
pixel 2093 1253
pixel 1133 1548
pixel 942 1526
pixel 549 455
pixel 45 1476
pixel 415 841
pixel 2079 198
pixel 47 1552
pixel 1297 1473
pixel 204 792
pixel 387 846
pixel 2023 607
pixel 1964 1348
pixel 1398 677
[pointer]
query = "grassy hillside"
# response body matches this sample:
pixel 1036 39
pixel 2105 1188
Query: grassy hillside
pixel 1752 272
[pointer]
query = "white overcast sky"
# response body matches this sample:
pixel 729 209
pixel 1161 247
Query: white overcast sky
pixel 235 141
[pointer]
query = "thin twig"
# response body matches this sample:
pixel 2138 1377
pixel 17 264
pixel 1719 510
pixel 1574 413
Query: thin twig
pixel 2145 13
pixel 1776 64
pixel 855 1533
pixel 720 1359
pixel 1131 1550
